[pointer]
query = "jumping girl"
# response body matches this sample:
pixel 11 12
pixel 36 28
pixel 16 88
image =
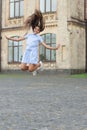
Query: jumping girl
pixel 30 58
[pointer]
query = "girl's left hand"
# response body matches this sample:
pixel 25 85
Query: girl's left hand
pixel 58 46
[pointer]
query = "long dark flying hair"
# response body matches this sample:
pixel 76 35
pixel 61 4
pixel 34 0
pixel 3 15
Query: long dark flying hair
pixel 36 19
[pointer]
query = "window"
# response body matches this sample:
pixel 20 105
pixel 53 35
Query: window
pixel 16 8
pixel 48 5
pixel 46 54
pixel 14 52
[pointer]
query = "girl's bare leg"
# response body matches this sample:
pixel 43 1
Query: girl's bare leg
pixel 33 67
pixel 24 66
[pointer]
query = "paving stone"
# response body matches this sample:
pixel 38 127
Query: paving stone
pixel 42 102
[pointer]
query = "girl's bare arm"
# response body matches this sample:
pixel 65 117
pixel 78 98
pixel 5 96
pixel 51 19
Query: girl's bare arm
pixel 49 47
pixel 15 39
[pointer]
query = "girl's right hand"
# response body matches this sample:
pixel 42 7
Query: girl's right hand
pixel 7 37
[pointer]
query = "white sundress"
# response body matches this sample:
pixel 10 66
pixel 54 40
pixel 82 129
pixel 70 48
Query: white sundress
pixel 31 53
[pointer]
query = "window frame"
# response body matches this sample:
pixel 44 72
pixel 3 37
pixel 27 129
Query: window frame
pixel 13 46
pixel 43 55
pixel 14 11
pixel 50 10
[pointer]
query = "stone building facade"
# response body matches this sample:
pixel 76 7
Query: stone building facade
pixel 65 24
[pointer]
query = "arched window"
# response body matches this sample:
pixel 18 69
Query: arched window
pixel 46 54
pixel 14 52
pixel 16 8
pixel 48 5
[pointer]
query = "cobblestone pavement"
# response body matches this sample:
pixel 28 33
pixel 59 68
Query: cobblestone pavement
pixel 42 102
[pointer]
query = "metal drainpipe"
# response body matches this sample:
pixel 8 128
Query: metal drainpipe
pixel 86 45
pixel 85 11
pixel 0 29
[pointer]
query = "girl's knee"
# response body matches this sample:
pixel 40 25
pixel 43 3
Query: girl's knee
pixel 24 67
pixel 30 69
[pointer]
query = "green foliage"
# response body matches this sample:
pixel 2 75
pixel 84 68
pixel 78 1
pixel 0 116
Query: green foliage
pixel 79 75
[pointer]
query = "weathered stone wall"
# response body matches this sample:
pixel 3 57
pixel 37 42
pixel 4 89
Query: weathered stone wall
pixel 77 9
pixel 77 47
pixel 76 28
